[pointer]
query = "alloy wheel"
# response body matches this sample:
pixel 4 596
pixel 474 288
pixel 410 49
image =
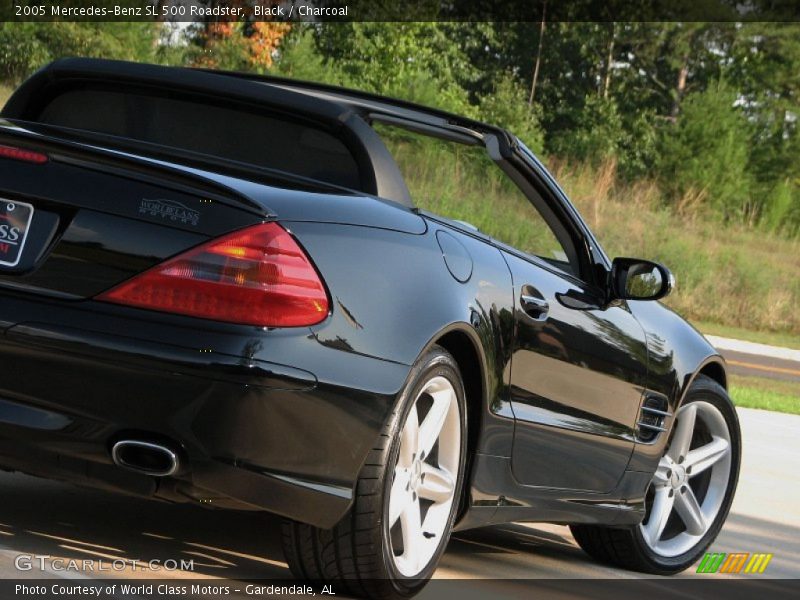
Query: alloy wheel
pixel 424 480
pixel 690 483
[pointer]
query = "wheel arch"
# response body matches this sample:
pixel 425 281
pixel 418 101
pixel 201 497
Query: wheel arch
pixel 714 368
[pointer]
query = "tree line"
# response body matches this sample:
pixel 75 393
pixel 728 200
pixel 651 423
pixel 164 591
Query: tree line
pixel 707 110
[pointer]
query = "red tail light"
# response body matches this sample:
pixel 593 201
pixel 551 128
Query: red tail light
pixel 256 276
pixel 24 155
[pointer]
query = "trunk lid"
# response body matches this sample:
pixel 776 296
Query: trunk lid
pixel 93 218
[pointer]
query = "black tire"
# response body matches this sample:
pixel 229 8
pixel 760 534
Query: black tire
pixel 626 547
pixel 355 556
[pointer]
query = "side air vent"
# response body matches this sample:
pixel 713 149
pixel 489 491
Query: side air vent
pixel 652 418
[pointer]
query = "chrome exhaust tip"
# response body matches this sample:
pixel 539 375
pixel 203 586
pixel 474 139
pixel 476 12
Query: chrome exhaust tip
pixel 145 457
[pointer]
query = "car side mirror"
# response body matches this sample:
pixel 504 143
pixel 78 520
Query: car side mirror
pixel 636 279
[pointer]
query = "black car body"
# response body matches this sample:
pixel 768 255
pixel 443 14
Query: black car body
pixel 569 391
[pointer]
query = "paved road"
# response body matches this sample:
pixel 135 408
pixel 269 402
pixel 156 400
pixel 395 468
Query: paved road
pixel 753 365
pixel 47 518
pixel 758 360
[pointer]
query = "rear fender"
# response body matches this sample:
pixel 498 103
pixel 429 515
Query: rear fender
pixel 399 298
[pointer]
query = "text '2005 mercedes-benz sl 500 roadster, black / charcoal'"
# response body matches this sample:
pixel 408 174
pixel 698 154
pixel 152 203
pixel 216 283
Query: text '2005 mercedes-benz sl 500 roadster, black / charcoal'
pixel 256 293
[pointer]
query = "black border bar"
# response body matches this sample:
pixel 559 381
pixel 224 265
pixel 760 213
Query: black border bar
pixel 393 10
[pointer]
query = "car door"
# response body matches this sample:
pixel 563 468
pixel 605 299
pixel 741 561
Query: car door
pixel 577 377
pixel 579 364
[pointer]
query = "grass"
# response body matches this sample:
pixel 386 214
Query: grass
pixel 728 275
pixel 750 397
pixel 777 386
pixel 765 394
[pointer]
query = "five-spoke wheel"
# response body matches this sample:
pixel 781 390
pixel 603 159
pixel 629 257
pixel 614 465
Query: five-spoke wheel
pixel 424 483
pixel 689 485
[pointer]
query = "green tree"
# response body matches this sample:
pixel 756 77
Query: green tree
pixel 590 97
pixel 298 57
pixel 596 134
pixel 414 61
pixel 705 154
pixel 764 63
pixel 24 47
pixel 506 106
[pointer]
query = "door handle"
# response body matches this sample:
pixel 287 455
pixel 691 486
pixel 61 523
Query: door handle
pixel 536 308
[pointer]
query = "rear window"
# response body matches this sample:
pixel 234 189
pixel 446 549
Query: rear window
pixel 234 133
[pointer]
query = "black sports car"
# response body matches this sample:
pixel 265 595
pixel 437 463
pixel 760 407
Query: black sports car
pixel 380 321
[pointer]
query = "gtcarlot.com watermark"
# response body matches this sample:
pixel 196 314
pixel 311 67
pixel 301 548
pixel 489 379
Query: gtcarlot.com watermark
pixel 50 564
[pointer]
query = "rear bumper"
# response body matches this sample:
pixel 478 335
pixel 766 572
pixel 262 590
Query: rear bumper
pixel 265 420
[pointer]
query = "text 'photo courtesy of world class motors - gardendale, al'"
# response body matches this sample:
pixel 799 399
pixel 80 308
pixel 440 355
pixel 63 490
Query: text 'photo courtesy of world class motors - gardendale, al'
pixel 379 300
